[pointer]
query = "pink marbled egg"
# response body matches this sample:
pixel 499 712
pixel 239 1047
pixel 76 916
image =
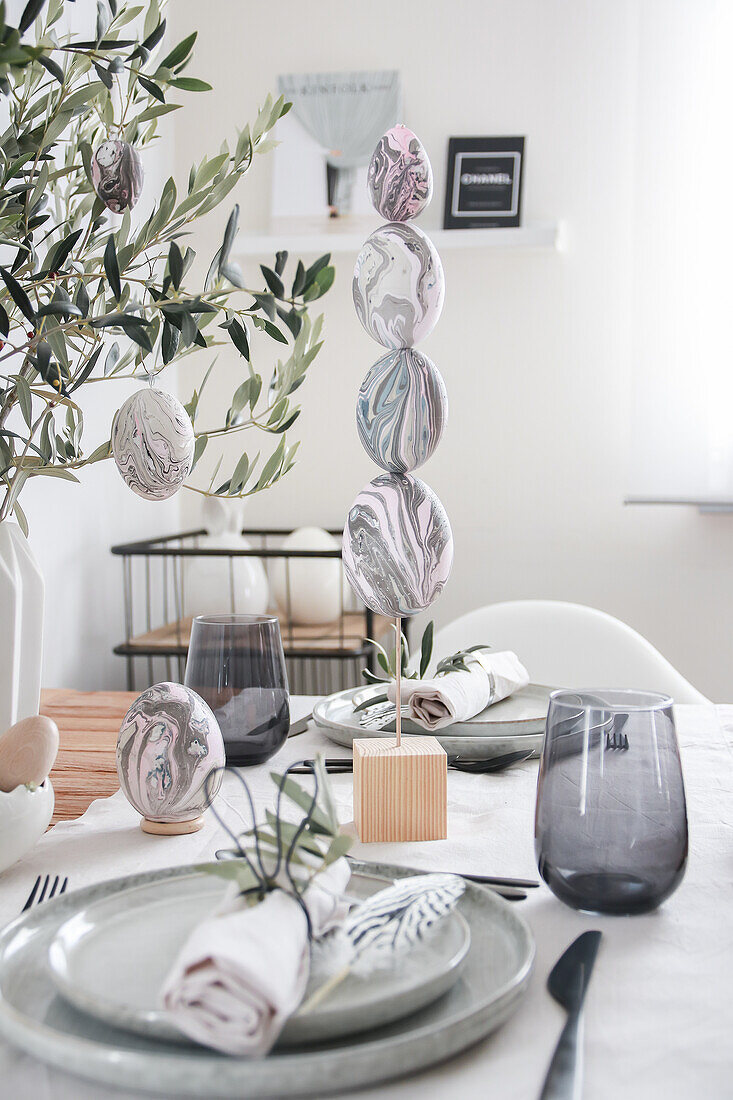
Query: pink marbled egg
pixel 400 178
pixel 168 745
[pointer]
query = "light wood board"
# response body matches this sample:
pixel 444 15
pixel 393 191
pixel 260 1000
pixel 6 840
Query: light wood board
pixel 85 768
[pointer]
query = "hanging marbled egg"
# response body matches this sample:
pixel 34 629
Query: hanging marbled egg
pixel 169 743
pixel 117 175
pixel 398 545
pixel 153 443
pixel 398 285
pixel 400 178
pixel 401 410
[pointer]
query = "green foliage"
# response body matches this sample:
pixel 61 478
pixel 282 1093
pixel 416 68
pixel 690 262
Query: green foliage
pixel 306 846
pixel 387 662
pixel 77 277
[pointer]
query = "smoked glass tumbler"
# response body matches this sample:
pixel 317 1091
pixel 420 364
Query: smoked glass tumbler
pixel 611 819
pixel 236 663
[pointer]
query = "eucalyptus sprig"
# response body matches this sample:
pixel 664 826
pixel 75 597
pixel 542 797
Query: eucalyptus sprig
pixel 87 296
pixel 388 663
pixel 284 854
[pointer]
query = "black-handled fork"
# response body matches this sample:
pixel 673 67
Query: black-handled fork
pixel 46 894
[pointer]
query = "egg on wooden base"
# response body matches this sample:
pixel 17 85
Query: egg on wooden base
pixel 169 744
pixel 153 443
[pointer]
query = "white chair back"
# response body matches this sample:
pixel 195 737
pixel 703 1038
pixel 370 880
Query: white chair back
pixel 568 645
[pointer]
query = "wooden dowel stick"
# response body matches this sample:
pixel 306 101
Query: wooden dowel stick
pixel 398 679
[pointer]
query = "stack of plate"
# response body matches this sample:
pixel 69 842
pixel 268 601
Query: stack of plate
pixel 80 978
pixel 514 724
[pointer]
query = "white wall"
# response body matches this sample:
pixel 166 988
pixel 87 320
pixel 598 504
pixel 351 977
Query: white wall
pixel 536 350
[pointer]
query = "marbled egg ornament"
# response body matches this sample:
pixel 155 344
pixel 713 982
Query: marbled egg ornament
pixel 401 410
pixel 168 745
pixel 400 179
pixel 398 545
pixel 117 175
pixel 153 443
pixel 398 285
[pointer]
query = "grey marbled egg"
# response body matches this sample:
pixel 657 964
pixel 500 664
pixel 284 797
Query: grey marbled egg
pixel 153 443
pixel 398 285
pixel 398 545
pixel 400 179
pixel 169 743
pixel 117 175
pixel 401 410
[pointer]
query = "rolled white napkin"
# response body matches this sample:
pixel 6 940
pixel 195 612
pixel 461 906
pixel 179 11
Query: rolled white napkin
pixel 243 972
pixel 458 696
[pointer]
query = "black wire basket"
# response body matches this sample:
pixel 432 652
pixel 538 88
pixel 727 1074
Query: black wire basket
pixel 321 658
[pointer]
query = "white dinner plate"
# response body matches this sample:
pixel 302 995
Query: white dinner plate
pixel 111 958
pixel 36 1018
pixel 510 725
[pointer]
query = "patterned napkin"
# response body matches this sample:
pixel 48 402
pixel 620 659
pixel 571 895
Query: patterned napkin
pixel 244 970
pixel 458 696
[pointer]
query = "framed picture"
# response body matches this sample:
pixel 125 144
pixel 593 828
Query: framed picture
pixel 484 182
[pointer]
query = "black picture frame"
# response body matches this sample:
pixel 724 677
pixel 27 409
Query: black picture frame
pixel 484 182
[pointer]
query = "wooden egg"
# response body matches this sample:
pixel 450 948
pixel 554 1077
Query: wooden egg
pixel 400 179
pixel 117 175
pixel 153 443
pixel 398 286
pixel 168 745
pixel 398 545
pixel 27 752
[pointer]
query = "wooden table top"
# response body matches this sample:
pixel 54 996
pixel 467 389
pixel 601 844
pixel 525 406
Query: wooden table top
pixel 85 769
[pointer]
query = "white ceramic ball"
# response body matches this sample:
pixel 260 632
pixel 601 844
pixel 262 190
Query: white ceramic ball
pixel 153 443
pixel 315 584
pixel 169 743
pixel 214 585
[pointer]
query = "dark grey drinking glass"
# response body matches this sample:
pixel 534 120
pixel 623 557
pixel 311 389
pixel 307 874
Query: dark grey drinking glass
pixel 611 818
pixel 236 663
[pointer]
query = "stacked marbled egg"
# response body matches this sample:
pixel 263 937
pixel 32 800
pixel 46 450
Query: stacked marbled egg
pixel 398 545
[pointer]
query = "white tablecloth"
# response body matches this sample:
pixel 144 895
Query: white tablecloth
pixel 659 1019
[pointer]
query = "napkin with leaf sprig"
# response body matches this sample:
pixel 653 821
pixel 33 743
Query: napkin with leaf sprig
pixel 244 971
pixel 465 683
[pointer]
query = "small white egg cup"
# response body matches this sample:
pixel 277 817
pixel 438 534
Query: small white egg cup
pixel 25 814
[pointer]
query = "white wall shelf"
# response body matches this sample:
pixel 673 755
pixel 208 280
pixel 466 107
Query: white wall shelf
pixel 703 504
pixel 547 236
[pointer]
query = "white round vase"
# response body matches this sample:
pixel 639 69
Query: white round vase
pixel 214 585
pixel 315 585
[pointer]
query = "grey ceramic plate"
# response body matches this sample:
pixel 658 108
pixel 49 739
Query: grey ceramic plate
pixel 37 1019
pixel 515 723
pixel 111 958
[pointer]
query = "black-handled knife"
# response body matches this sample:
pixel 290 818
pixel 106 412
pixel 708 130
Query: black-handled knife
pixel 567 983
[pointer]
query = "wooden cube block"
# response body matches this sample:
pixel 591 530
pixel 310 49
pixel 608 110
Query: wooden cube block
pixel 400 792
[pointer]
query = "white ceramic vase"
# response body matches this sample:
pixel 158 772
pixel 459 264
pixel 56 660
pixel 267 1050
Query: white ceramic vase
pixel 21 636
pixel 214 585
